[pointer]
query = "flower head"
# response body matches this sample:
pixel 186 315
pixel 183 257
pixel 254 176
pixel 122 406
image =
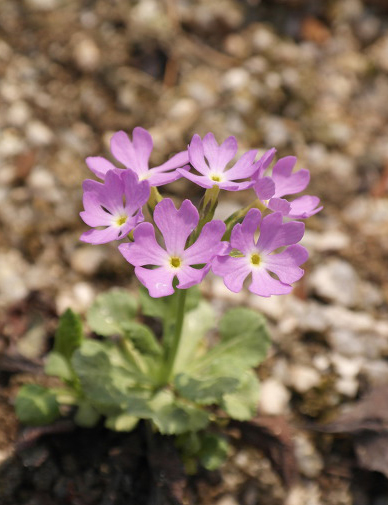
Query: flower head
pixel 257 258
pixel 282 182
pixel 135 155
pixel 212 172
pixel 115 204
pixel 173 260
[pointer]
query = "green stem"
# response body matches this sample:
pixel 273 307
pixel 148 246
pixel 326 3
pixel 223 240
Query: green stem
pixel 240 214
pixel 173 352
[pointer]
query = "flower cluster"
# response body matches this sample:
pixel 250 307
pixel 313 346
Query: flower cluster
pixel 195 243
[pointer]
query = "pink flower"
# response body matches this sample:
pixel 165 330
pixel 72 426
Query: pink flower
pixel 270 190
pixel 173 260
pixel 115 204
pixel 258 259
pixel 212 169
pixel 135 156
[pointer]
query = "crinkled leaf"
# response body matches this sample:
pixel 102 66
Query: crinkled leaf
pixel 106 378
pixel 242 403
pixel 172 416
pixel 36 405
pixel 204 390
pixel 86 415
pixel 110 311
pixel 69 335
pixel 58 366
pixel 196 324
pixel 214 451
pixel 165 307
pixel 122 422
pixel 244 344
pixel 142 338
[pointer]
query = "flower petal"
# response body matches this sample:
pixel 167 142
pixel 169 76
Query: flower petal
pixel 233 270
pixel 189 276
pixel 283 167
pixel 157 281
pixel 265 161
pixel 242 237
pixel 94 215
pixel 244 167
pixel 226 152
pixel 144 250
pixel 236 186
pixel 123 150
pixel 202 180
pixel 175 225
pixel 143 145
pixel 207 245
pixel 99 166
pixel 101 236
pixel 219 156
pixel 291 184
pixel 176 161
pixel 279 205
pixel 136 192
pixel 265 285
pixel 304 206
pixel 264 188
pixel 161 178
pixel 197 156
pixel 274 234
pixel 286 263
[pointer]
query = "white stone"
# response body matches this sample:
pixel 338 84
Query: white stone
pixel 227 499
pixel 87 259
pixel 337 281
pixel 274 397
pixel 309 461
pixel 303 378
pixel 235 79
pixel 38 133
pixel 346 367
pixel 86 54
pixel 19 113
pixel 347 387
pixel 41 179
pixel 78 298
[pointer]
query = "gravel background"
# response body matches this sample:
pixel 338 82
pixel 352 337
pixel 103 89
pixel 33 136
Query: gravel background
pixel 307 77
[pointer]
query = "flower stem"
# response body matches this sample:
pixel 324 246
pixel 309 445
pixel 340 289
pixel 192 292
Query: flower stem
pixel 173 351
pixel 240 214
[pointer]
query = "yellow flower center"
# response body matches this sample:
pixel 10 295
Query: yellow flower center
pixel 255 259
pixel 215 178
pixel 175 262
pixel 121 220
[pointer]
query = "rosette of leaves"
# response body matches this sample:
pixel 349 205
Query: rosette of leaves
pixel 116 375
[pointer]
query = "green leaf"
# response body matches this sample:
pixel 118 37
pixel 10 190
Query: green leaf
pixel 122 422
pixel 142 338
pixel 196 324
pixel 214 451
pixel 86 415
pixel 165 307
pixel 173 417
pixel 244 344
pixel 58 366
pixel 110 311
pixel 204 391
pixel 36 405
pixel 69 335
pixel 107 379
pixel 242 403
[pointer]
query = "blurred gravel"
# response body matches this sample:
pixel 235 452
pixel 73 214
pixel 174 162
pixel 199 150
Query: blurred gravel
pixel 309 78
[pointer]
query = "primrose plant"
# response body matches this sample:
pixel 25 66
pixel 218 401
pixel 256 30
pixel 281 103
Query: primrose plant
pixel 150 358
